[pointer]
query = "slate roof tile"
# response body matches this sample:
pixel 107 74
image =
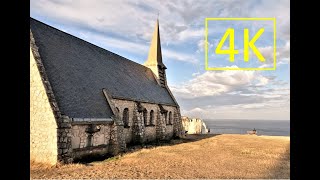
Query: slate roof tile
pixel 79 70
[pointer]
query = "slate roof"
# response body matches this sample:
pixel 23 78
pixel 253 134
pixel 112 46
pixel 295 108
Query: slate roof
pixel 79 70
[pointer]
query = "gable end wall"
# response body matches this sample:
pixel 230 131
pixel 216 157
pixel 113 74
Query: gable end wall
pixel 43 126
pixel 50 132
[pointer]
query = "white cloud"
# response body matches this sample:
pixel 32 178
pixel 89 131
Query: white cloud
pixel 201 45
pixel 282 55
pixel 134 19
pixel 212 83
pixel 262 81
pixel 195 113
pixel 179 20
pixel 169 54
pixel 284 52
pixel 195 74
pixel 233 94
pixel 241 111
pixel 191 33
pixel 267 53
pixel 276 110
pixel 266 66
pixel 253 105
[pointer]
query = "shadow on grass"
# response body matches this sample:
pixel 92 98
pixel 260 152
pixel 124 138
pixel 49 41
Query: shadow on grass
pixel 192 138
pixel 186 139
pixel 282 169
pixel 86 160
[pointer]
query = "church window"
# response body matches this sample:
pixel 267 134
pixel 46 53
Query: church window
pixel 170 117
pixel 152 118
pixel 125 117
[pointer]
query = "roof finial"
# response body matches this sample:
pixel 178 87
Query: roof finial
pixel 158 15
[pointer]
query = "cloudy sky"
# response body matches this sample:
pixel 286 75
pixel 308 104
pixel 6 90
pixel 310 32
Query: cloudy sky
pixel 125 27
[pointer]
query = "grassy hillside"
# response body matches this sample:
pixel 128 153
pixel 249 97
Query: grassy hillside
pixel 196 156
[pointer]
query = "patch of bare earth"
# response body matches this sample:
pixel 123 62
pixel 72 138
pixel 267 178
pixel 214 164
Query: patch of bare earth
pixel 196 156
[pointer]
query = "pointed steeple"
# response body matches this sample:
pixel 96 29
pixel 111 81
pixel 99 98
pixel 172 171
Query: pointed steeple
pixel 154 61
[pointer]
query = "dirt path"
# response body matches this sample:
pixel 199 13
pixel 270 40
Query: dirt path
pixel 196 156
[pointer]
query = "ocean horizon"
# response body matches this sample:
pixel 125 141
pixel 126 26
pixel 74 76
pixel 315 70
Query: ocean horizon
pixel 241 126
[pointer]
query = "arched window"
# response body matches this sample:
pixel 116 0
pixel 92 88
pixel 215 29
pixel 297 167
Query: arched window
pixel 145 117
pixel 170 117
pixel 125 117
pixel 152 118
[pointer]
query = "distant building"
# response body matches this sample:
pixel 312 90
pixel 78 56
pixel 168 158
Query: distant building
pixel 87 100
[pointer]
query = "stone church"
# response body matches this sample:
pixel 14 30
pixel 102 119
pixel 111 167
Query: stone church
pixel 85 100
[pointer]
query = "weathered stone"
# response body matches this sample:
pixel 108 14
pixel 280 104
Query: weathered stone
pixel 65 139
pixel 62 145
pixel 65 125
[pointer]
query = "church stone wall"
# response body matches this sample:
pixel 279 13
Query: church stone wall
pixel 43 126
pixel 150 134
pixel 96 137
pixel 89 137
pixel 80 138
pixel 127 132
pixel 159 129
pixel 169 132
pixel 120 106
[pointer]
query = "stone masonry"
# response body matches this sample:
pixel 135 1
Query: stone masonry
pixel 138 131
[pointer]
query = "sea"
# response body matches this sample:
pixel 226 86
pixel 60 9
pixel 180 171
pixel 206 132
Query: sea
pixel 237 126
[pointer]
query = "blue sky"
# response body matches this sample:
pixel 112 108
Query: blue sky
pixel 125 27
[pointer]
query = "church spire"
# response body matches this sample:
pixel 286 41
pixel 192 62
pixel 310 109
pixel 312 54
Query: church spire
pixel 155 55
pixel 154 61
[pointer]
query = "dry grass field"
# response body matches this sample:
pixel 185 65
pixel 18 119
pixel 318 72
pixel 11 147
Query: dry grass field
pixel 196 156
